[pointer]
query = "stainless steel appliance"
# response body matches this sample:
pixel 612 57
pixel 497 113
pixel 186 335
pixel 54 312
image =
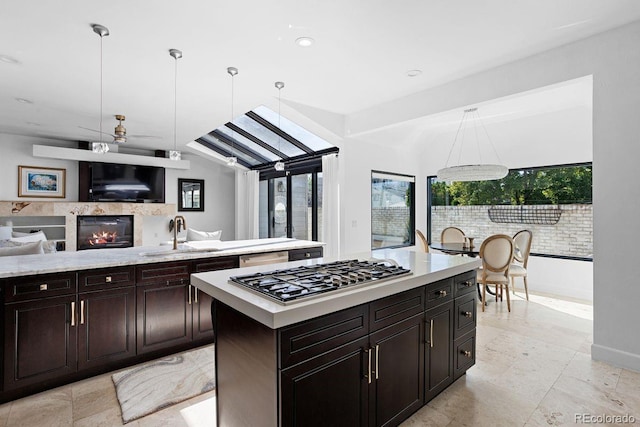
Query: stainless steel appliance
pixel 306 281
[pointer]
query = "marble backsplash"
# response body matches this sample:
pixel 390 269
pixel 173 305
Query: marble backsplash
pixel 71 210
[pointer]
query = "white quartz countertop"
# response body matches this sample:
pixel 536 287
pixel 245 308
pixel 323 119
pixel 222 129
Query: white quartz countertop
pixel 426 268
pixel 25 265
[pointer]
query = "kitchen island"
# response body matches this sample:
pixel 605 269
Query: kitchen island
pixel 368 354
pixel 98 310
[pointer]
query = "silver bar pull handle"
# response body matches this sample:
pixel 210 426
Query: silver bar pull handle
pixel 431 333
pixel 82 312
pixel 377 359
pixel 195 291
pixel 189 291
pixel 73 313
pixel 369 367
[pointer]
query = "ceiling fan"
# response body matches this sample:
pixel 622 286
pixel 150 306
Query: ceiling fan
pixel 119 134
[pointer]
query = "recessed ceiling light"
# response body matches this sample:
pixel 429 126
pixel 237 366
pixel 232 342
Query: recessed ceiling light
pixel 304 41
pixel 414 73
pixel 24 101
pixel 8 59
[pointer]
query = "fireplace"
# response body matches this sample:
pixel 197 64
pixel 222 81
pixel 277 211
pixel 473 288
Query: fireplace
pixel 101 231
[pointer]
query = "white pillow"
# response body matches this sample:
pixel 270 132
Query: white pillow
pixel 30 248
pixel 30 237
pixel 5 232
pixel 202 235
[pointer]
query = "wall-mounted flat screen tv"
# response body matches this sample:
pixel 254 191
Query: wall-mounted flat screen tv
pixel 113 182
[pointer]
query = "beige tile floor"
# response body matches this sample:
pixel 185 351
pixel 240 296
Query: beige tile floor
pixel 533 368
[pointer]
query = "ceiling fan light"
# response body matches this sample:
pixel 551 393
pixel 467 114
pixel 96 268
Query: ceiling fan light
pixel 279 166
pixel 175 155
pixel 484 172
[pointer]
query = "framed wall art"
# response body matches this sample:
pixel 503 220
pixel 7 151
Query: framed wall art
pixel 35 181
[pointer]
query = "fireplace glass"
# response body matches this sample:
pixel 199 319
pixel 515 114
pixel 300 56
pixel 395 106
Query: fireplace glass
pixel 100 231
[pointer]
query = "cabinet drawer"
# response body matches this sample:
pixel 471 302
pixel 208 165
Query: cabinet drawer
pixel 439 292
pixel 464 354
pixel 305 340
pixel 465 283
pixel 213 264
pixel 43 285
pixel 465 317
pixel 162 272
pixel 395 308
pixel 299 254
pixel 105 278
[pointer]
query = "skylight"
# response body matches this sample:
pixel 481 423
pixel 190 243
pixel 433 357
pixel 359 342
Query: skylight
pixel 257 141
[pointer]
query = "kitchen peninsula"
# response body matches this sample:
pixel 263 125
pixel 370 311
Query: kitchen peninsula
pixel 71 315
pixel 366 354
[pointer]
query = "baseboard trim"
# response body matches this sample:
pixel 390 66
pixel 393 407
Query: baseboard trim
pixel 619 358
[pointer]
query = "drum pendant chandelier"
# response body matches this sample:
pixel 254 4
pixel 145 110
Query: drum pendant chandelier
pixel 471 172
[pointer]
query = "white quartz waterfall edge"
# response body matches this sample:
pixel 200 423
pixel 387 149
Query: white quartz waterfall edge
pixel 154 385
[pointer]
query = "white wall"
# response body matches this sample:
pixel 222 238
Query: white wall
pixel 614 61
pixel 219 213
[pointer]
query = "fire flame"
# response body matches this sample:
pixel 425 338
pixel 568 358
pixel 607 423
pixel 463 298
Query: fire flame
pixel 102 237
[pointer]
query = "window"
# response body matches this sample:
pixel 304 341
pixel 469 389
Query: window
pixel 392 210
pixel 554 202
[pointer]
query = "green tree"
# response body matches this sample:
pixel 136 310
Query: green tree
pixel 555 185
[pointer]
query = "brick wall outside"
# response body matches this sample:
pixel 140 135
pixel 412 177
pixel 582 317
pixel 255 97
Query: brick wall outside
pixel 389 225
pixel 571 236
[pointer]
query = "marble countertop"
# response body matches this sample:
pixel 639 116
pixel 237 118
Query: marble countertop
pixel 426 268
pixel 26 265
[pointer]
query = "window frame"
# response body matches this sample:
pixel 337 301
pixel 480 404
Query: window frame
pixel 431 178
pixel 412 208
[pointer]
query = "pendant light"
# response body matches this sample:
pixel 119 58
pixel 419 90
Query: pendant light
pixel 232 160
pixel 472 172
pixel 279 165
pixel 100 147
pixel 175 154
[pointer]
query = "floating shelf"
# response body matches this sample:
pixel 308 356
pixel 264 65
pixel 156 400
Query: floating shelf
pixel 51 152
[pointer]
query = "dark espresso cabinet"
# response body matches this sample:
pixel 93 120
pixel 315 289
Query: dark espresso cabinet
pixel 105 316
pixel 62 327
pixel 40 341
pixel 59 324
pixel 163 295
pixel 201 302
pixel 371 365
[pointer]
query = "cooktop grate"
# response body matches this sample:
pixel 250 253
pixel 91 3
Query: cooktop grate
pixel 310 280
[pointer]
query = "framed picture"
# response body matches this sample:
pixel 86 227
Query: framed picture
pixel 34 181
pixel 190 194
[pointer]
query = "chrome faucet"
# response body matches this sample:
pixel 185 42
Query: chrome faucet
pixel 176 223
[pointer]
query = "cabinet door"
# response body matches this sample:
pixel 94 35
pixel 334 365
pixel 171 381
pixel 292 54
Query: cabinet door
pixel 438 357
pixel 330 390
pixel 106 327
pixel 163 315
pixel 397 388
pixel 202 303
pixel 40 341
pixel 202 320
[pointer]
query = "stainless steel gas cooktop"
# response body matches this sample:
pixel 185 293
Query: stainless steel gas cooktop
pixel 310 280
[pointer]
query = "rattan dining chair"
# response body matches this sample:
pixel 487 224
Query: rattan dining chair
pixel 497 254
pixel 518 268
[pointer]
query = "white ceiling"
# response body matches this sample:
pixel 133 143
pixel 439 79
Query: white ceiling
pixel 362 53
